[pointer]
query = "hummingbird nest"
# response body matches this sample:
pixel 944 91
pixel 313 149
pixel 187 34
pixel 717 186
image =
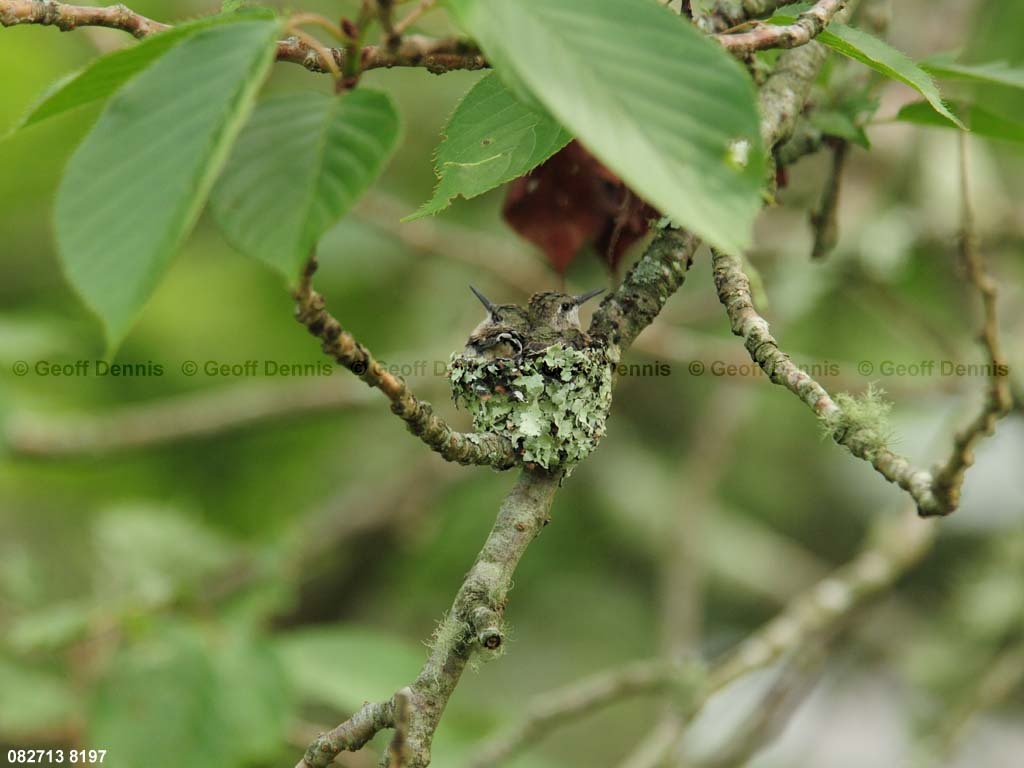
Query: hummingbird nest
pixel 551 404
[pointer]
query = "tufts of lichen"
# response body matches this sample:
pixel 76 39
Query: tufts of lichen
pixel 864 418
pixel 450 633
pixel 552 405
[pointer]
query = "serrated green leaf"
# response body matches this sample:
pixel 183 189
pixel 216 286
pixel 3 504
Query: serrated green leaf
pixel 661 105
pixel 299 165
pixel 345 666
pixel 981 121
pixel 883 58
pixel 997 72
pixel 490 139
pixel 877 54
pixel 134 188
pixel 105 75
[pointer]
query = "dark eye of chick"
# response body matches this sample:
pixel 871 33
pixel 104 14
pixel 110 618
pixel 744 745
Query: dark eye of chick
pixel 496 318
pixel 567 306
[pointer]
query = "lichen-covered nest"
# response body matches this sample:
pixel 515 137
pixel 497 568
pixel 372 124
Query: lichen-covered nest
pixel 551 404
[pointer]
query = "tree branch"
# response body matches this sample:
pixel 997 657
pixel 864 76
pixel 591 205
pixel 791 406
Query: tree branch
pixel 437 55
pixel 434 55
pixel 648 285
pixel 998 400
pixel 808 25
pixel 726 14
pixel 466 630
pixel 662 269
pixel 69 17
pixel 825 220
pixel 586 697
pixel 861 439
pixel 894 546
pixel 339 344
pixel 182 417
pixel 935 493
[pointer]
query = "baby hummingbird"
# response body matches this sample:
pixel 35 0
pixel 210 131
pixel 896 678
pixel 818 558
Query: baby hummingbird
pixel 555 317
pixel 502 334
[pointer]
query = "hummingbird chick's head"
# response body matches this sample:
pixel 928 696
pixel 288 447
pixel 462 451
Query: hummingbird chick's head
pixel 505 315
pixel 558 311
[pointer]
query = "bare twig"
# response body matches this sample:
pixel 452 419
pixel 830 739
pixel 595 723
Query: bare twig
pixel 183 417
pixel 433 54
pixel 893 547
pixel 586 697
pixel 386 17
pixel 999 680
pixel 413 16
pixel 436 55
pixel 351 735
pixel 861 438
pixel 824 221
pixel 340 345
pixel 949 478
pixel 774 709
pixel 808 25
pixel 69 17
pixel 685 561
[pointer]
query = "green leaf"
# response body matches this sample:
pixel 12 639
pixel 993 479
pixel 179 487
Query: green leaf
pixel 33 701
pixel 981 121
pixel 299 165
pixel 343 667
pixel 490 139
pixel 996 72
pixel 661 105
pixel 105 75
pixel 134 188
pixel 881 57
pixel 158 706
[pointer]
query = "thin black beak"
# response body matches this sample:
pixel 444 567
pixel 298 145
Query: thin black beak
pixel 483 299
pixel 588 295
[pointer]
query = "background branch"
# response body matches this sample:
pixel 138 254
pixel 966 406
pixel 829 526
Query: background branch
pixel 183 417
pixel 949 478
pixel 893 547
pixel 586 697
